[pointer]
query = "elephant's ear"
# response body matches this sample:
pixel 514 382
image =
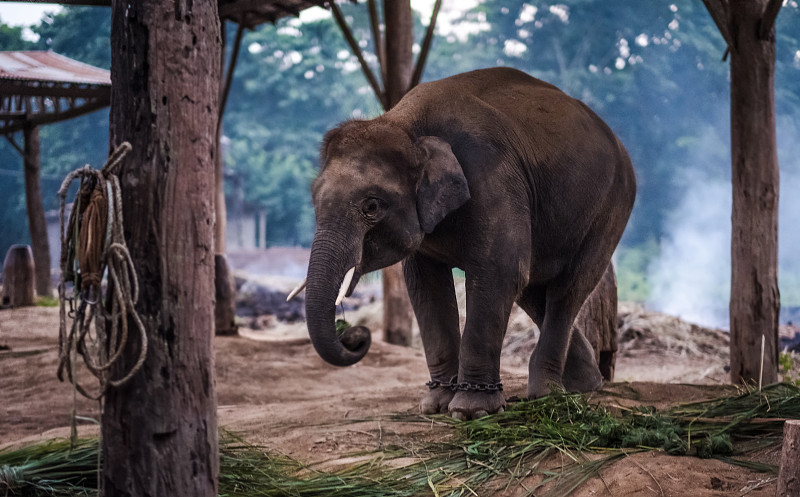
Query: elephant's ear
pixel 442 186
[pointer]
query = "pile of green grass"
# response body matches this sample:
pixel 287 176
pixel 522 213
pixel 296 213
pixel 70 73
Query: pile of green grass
pixel 495 451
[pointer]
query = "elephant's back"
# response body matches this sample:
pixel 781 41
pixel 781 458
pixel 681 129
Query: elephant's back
pixel 508 110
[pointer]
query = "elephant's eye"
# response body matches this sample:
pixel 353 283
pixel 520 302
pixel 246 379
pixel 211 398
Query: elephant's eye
pixel 370 207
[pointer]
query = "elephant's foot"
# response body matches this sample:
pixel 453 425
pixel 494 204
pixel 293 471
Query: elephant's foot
pixel 541 384
pixel 582 380
pixel 581 373
pixel 473 405
pixel 436 400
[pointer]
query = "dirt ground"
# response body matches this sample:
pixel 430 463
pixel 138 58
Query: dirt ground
pixel 274 390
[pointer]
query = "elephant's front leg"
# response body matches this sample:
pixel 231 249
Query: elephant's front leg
pixel 430 287
pixel 489 300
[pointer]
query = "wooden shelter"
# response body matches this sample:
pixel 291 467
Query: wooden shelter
pixel 36 88
pixel 248 13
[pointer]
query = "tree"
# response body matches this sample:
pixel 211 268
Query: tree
pixel 748 27
pixel 160 429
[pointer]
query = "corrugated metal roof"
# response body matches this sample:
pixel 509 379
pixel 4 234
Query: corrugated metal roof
pixel 48 66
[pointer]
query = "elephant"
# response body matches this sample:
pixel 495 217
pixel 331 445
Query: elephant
pixel 496 173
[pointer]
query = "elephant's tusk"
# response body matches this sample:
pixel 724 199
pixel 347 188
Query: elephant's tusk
pixel 348 277
pixel 298 289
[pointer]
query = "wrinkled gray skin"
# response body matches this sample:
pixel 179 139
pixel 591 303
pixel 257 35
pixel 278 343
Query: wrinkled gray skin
pixel 493 172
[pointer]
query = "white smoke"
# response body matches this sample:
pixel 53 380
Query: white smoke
pixel 691 277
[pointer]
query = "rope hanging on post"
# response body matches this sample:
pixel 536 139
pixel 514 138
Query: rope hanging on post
pixel 93 245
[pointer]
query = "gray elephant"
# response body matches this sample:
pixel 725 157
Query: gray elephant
pixel 493 172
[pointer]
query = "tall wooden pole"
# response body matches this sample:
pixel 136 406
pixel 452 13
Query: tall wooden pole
pixel 755 300
pixel 398 315
pixel 36 220
pixel 224 288
pixel 160 429
pixel 748 27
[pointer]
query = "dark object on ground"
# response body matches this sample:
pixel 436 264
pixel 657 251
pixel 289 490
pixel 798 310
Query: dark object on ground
pixel 18 276
pixel 261 296
pixel 224 315
pixel 790 343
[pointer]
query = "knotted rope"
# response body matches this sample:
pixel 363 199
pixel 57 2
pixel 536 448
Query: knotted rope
pixel 93 244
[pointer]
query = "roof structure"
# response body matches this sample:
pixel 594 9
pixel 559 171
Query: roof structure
pixel 249 13
pixel 41 87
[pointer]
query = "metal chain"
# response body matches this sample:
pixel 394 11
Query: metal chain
pixel 465 386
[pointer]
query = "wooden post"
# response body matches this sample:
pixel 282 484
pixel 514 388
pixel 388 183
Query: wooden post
pixel 159 430
pixel 36 220
pixel 398 315
pixel 224 291
pixel 789 475
pixel 18 276
pixel 597 320
pixel 755 301
pixel 748 27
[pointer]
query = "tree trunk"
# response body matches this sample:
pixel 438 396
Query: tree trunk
pixel 160 429
pixel 755 300
pixel 399 41
pixel 398 315
pixel 36 221
pixel 597 320
pixel 18 276
pixel 789 475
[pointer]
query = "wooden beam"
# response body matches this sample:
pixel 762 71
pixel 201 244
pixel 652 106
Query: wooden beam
pixel 23 88
pixel 15 145
pixel 399 53
pixel 380 43
pixel 426 46
pixel 237 44
pixel 351 41
pixel 720 11
pixel 768 19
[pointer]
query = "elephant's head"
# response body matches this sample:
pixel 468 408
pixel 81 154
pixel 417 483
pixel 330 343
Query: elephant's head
pixel 378 192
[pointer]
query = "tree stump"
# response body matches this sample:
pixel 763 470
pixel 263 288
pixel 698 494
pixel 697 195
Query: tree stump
pixel 597 320
pixel 19 276
pixel 789 475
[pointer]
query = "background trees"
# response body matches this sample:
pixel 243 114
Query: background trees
pixel 653 70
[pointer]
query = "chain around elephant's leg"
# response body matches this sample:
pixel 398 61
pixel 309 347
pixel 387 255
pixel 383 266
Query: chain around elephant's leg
pixel 430 287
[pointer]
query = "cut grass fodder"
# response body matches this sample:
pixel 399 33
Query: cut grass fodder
pixel 547 446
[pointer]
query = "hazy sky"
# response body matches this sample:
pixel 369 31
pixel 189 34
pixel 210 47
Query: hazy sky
pixel 24 14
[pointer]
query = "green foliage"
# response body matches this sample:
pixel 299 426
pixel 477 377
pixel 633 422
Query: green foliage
pixel 46 301
pixel 632 266
pixel 11 38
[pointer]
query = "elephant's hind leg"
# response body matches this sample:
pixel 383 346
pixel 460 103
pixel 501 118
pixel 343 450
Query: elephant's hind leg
pixel 430 287
pixel 557 346
pixel 581 373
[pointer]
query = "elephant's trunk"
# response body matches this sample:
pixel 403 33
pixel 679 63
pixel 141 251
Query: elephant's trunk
pixel 332 256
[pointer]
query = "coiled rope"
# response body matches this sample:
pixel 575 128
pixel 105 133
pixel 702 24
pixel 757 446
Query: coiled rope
pixel 93 244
